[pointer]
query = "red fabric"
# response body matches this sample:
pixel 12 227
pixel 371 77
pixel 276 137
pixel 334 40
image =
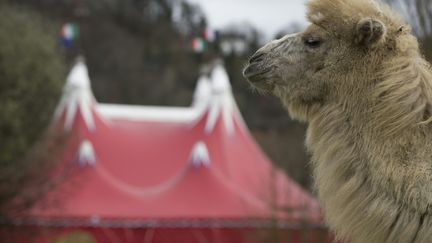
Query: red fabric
pixel 143 172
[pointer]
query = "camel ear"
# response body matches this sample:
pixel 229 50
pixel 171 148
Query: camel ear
pixel 370 32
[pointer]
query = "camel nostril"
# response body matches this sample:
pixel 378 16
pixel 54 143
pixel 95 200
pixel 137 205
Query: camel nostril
pixel 256 57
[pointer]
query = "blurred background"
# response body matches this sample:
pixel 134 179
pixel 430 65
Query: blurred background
pixel 146 52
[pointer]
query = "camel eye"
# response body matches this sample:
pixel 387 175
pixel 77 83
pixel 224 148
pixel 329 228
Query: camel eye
pixel 312 42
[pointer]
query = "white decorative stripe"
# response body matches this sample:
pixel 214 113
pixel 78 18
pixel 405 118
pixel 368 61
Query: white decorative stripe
pixel 162 114
pixel 139 191
pixel 199 156
pixel 213 115
pixel 221 106
pixel 86 155
pixel 149 113
pixel 220 79
pixel 202 92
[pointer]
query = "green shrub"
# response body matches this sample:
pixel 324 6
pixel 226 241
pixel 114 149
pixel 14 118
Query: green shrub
pixel 31 77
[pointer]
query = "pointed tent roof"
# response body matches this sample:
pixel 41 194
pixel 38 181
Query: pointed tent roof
pixel 201 163
pixel 222 104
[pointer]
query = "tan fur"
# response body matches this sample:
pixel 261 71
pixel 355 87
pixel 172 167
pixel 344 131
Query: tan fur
pixel 369 112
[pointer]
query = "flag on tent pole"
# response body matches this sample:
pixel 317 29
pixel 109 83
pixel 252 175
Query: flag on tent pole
pixel 210 35
pixel 204 41
pixel 198 45
pixel 69 32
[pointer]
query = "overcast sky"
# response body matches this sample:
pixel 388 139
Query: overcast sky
pixel 269 16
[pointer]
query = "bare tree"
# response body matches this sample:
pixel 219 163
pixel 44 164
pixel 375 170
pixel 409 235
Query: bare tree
pixel 417 12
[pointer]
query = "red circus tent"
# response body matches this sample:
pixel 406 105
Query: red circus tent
pixel 167 174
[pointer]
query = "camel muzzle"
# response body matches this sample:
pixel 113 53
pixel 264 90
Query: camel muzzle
pixel 260 65
pixel 257 70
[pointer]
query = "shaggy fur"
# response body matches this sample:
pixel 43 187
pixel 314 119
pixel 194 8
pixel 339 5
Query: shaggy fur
pixel 357 77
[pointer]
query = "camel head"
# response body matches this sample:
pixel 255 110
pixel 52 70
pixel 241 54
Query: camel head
pixel 336 59
pixel 357 77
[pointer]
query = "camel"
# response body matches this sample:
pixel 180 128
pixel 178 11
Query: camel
pixel 357 77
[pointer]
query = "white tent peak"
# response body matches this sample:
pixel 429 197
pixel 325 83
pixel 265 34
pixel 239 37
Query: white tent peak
pixel 86 155
pixel 199 156
pixel 77 96
pixel 220 79
pixel 202 92
pixel 222 103
pixel 78 77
